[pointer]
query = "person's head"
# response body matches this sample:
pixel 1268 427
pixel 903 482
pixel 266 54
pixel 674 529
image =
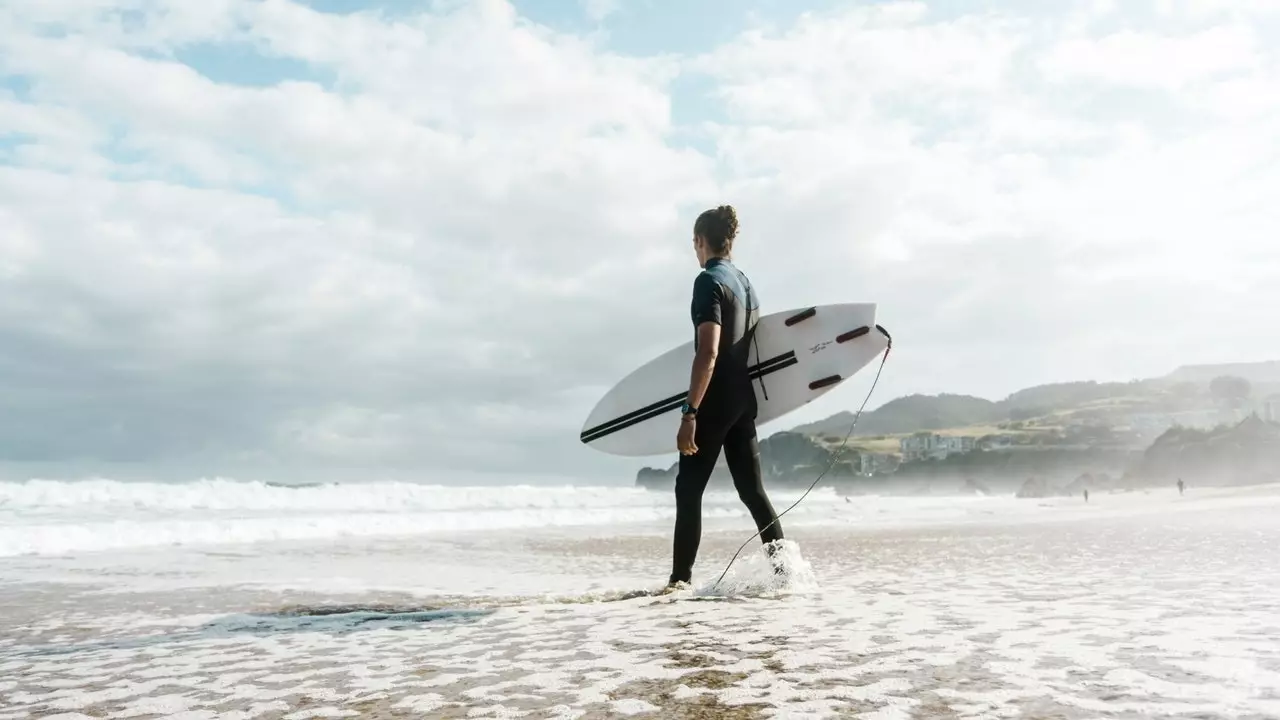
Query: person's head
pixel 713 233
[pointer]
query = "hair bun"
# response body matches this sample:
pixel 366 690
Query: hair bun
pixel 718 226
pixel 729 217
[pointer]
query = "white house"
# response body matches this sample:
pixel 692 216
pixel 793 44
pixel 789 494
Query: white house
pixel 931 445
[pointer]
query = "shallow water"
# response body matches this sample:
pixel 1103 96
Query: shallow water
pixel 1134 606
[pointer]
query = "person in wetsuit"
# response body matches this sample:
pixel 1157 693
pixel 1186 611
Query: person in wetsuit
pixel 720 411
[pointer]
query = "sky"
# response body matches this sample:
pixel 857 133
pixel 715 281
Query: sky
pixel 291 240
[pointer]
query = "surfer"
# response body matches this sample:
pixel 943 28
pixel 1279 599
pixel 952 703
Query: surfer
pixel 720 411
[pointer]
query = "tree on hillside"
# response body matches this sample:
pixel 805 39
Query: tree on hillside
pixel 1027 413
pixel 1231 390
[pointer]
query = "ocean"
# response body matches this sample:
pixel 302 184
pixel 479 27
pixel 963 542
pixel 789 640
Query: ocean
pixel 230 599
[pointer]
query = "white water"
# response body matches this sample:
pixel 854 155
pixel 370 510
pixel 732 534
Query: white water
pixel 50 517
pixel 1144 604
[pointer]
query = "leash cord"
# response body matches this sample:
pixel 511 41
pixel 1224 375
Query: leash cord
pixel 834 458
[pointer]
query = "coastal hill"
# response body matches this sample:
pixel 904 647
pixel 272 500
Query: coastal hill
pixel 915 413
pixel 1187 386
pixel 1062 435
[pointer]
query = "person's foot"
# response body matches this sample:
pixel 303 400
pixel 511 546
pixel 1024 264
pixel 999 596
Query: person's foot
pixel 674 586
pixel 773 550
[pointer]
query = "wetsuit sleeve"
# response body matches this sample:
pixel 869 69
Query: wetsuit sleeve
pixel 706 300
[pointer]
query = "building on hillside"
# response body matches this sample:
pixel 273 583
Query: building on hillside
pixel 932 446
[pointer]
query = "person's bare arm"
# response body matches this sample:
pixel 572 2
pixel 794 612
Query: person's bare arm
pixel 704 361
pixel 707 301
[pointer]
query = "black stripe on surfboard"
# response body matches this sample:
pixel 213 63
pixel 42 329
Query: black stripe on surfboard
pixel 666 405
pixel 784 361
pixel 675 404
pixel 636 420
pixel 679 397
pixel 675 401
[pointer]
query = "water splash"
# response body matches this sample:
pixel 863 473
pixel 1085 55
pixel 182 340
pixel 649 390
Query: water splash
pixel 778 568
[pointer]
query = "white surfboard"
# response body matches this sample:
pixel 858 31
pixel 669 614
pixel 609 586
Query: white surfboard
pixel 800 355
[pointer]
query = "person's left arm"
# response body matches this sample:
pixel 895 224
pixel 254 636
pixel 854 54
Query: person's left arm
pixel 706 317
pixel 704 361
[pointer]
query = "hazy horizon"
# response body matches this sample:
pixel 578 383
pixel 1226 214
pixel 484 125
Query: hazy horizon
pixel 288 240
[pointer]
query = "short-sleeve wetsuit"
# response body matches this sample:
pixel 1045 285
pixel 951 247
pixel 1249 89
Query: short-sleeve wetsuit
pixel 726 416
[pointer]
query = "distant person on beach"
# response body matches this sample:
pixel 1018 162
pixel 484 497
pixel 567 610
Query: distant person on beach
pixel 1086 496
pixel 1181 486
pixel 720 411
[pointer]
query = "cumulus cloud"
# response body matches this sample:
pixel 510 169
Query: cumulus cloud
pixel 1013 205
pixel 434 239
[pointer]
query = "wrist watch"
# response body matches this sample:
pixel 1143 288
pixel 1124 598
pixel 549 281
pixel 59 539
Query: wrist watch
pixel 688 412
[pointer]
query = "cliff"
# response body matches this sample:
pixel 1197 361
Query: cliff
pixel 1241 454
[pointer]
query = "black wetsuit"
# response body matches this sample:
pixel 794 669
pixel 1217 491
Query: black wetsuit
pixel 726 416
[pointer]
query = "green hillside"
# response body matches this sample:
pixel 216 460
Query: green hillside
pixel 1045 407
pixel 915 413
pixel 910 414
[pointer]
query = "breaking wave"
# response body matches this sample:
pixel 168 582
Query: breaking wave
pixel 42 517
pixel 58 517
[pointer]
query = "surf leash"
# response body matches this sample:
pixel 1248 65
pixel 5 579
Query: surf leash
pixel 835 457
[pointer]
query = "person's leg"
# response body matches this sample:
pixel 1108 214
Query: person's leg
pixel 691 480
pixel 742 454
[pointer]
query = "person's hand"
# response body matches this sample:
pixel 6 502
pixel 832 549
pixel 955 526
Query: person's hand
pixel 684 438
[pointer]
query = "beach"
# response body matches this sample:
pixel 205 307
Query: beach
pixel 241 600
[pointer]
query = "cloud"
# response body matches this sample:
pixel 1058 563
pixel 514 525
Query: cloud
pixel 1002 218
pixel 406 258
pixel 830 67
pixel 1145 60
pixel 433 247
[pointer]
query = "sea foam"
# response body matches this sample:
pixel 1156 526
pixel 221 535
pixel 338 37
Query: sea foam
pixel 42 517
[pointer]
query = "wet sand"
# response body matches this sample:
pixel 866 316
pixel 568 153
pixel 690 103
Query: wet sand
pixel 1169 609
